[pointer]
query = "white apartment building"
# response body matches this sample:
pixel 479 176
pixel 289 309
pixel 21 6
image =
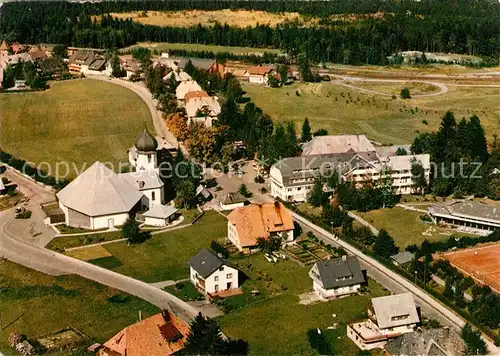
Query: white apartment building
pixel 293 178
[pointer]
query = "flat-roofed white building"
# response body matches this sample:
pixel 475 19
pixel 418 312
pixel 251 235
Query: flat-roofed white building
pixel 470 216
pixel 292 178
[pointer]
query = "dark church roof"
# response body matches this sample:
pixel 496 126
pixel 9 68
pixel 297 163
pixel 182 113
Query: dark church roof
pixel 146 142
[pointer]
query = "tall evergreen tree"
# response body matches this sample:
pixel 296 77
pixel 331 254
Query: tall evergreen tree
pixel 306 134
pixel 384 244
pixel 204 338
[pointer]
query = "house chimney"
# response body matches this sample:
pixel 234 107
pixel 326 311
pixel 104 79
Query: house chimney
pixel 344 257
pixel 140 315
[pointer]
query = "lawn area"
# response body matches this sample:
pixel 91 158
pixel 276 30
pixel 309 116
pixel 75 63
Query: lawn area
pixel 165 255
pixel 165 46
pixel 404 226
pixel 415 88
pixel 240 18
pixel 35 304
pixel 185 291
pixel 275 323
pixel 328 106
pixel 62 242
pixel 75 122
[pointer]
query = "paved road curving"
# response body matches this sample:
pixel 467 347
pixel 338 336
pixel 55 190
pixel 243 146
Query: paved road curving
pixel 18 245
pixel 396 283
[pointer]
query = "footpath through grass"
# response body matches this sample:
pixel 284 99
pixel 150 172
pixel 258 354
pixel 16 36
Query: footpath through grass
pixel 75 122
pixel 35 304
pixel 342 110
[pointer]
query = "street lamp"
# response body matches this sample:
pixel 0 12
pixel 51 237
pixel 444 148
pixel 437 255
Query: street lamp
pixel 415 277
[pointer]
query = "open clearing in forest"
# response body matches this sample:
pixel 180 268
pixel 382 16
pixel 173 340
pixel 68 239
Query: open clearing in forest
pixel 238 18
pixel 342 110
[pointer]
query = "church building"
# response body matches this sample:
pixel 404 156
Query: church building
pixel 100 198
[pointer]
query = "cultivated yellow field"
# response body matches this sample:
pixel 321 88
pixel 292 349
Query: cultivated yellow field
pixel 239 18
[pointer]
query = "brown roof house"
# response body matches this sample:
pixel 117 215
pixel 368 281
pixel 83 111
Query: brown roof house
pixel 246 225
pixel 159 335
pixel 258 74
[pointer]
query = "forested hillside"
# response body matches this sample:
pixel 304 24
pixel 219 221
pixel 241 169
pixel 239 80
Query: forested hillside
pixel 459 26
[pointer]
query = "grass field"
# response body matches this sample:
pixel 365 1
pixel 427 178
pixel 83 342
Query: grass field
pixel 62 242
pixel 329 106
pixel 164 47
pixel 405 226
pixel 415 88
pixel 165 255
pixel 35 304
pixel 77 121
pixel 239 18
pixel 276 324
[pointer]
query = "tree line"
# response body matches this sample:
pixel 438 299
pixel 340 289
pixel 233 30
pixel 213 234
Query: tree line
pixel 436 26
pixel 462 163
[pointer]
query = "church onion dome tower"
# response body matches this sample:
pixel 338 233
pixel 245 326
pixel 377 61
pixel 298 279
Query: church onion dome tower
pixel 146 142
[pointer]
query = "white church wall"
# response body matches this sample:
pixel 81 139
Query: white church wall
pixel 101 222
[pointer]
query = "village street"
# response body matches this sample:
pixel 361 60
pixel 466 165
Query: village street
pixel 18 244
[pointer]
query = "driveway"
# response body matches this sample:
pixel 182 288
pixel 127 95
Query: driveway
pixel 21 241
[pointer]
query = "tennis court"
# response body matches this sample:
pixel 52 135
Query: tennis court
pixel 481 263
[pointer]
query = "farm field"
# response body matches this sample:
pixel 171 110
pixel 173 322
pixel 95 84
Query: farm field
pixel 405 226
pixel 164 256
pixel 239 18
pixel 35 304
pixel 342 110
pixel 278 309
pixel 76 121
pixel 165 46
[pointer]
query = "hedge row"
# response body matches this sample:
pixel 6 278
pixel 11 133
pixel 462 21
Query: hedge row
pixel 37 174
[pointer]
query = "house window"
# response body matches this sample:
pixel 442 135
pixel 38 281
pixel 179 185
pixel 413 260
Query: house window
pixel 216 287
pixel 221 268
pixel 229 276
pixel 149 158
pixel 152 196
pixel 216 278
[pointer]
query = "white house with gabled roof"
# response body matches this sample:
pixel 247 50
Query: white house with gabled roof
pixel 388 317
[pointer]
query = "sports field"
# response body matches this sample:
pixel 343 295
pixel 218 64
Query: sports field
pixel 342 110
pixel 76 121
pixel 481 263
